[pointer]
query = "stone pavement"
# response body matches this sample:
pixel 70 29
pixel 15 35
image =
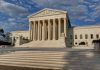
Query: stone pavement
pixel 50 58
pixel 83 60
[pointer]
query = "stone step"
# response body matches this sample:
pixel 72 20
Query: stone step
pixel 44 56
pixel 25 64
pixel 34 61
pixel 32 66
pixel 37 59
pixel 35 54
pixel 40 52
pixel 32 58
pixel 44 44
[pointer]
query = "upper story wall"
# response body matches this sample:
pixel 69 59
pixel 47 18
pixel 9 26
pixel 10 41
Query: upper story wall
pixel 87 30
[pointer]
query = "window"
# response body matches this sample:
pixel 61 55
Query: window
pixel 81 36
pixel 91 36
pixel 86 36
pixel 97 36
pixel 75 42
pixel 75 36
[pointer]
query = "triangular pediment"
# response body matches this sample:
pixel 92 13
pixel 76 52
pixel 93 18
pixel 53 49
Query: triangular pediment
pixel 47 12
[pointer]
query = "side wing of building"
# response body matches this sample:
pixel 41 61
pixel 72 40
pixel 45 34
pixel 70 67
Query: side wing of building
pixel 84 35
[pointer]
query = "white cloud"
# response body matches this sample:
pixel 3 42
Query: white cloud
pixel 12 26
pixel 11 19
pixel 89 20
pixel 96 13
pixel 95 0
pixel 77 9
pixel 73 24
pixel 73 7
pixel 12 9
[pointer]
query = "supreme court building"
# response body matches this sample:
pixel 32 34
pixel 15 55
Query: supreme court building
pixel 48 28
pixel 51 28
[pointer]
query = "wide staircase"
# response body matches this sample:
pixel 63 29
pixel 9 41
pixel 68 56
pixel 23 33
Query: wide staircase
pixel 50 58
pixel 46 44
pixel 34 59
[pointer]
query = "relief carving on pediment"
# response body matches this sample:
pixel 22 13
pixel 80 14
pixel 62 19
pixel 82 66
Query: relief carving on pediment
pixel 46 12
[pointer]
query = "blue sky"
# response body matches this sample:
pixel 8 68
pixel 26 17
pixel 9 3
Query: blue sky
pixel 13 13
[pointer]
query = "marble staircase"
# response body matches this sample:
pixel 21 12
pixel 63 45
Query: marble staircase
pixel 50 58
pixel 46 44
pixel 34 59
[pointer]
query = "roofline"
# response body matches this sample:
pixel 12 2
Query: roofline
pixel 85 26
pixel 45 9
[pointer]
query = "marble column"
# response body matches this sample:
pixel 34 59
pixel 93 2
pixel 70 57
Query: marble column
pixel 38 30
pixel 46 29
pixel 59 27
pixel 43 29
pixel 49 34
pixel 30 29
pixel 65 27
pixel 53 29
pixel 34 31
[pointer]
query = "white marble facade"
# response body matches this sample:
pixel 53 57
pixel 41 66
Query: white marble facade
pixel 49 25
pixel 51 28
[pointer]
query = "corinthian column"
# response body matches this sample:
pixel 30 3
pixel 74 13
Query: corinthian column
pixel 43 29
pixel 49 30
pixel 53 29
pixel 59 27
pixel 65 27
pixel 33 30
pixel 38 30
